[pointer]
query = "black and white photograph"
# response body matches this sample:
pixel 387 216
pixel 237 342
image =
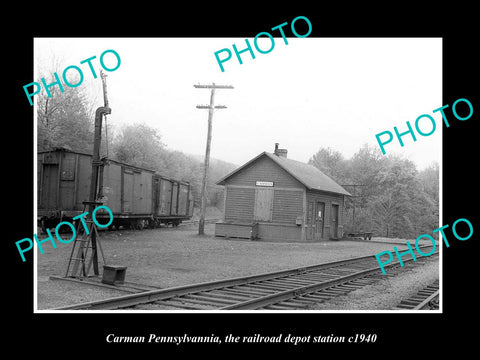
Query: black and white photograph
pixel 275 186
pixel 273 195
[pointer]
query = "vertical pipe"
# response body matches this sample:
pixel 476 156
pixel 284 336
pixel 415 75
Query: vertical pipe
pixel 94 177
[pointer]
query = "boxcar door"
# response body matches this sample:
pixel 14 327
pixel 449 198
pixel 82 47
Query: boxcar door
pixel 156 195
pixel 127 198
pixel 319 215
pixel 165 197
pixel 263 205
pixel 334 221
pixel 67 183
pixel 174 209
pixel 49 186
pixel 182 200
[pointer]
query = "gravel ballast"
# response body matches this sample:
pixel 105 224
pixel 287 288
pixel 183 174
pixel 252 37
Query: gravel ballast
pixel 386 293
pixel 168 257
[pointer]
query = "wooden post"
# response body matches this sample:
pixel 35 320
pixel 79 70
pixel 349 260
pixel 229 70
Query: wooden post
pixel 211 108
pixel 353 200
pixel 201 222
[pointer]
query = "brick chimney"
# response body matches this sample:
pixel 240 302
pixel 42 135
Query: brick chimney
pixel 280 152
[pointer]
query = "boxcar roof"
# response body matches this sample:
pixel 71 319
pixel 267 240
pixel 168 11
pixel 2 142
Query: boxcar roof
pixel 311 177
pixel 60 149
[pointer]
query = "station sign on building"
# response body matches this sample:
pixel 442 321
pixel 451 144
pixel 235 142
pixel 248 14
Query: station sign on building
pixel 274 198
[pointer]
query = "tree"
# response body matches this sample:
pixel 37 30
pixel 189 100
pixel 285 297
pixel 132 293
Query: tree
pixel 364 168
pixel 428 180
pixel 140 145
pixel 393 204
pixel 395 200
pixel 64 120
pixel 331 163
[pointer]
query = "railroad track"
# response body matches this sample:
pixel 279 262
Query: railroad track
pixel 425 299
pixel 292 289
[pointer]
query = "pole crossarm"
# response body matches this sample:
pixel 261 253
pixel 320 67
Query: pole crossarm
pixel 213 86
pixel 209 107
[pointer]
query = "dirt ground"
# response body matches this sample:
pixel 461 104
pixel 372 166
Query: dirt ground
pixel 169 257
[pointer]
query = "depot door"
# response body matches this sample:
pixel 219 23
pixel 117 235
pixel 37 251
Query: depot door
pixel 319 215
pixel 334 221
pixel 309 228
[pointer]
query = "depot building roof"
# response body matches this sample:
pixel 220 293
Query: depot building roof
pixel 310 176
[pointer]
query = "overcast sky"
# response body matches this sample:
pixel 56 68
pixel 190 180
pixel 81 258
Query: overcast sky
pixel 311 93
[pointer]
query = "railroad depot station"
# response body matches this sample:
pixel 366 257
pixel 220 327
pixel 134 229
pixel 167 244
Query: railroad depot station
pixel 274 198
pixel 291 210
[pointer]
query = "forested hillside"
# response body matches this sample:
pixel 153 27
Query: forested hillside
pixel 67 121
pixel 392 199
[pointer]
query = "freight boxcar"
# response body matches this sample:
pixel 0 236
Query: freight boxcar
pixel 137 197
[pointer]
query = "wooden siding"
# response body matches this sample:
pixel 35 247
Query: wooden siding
pixel 233 230
pixel 165 197
pixel 183 200
pixel 67 180
pixel 328 199
pixel 239 204
pixel 60 180
pixel 263 207
pixel 48 190
pixel 63 184
pixel 112 187
pixel 142 190
pixel 173 210
pixel 290 212
pixel 264 170
pixel 287 206
pixel 84 167
pixel 279 232
pixel 127 190
pixel 137 190
pixel 265 231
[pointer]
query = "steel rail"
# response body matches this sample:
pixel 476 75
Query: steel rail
pixel 422 299
pixel 305 290
pixel 425 302
pixel 282 282
pixel 153 295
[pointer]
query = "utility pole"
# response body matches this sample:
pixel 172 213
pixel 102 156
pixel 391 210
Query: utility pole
pixel 354 185
pixel 211 108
